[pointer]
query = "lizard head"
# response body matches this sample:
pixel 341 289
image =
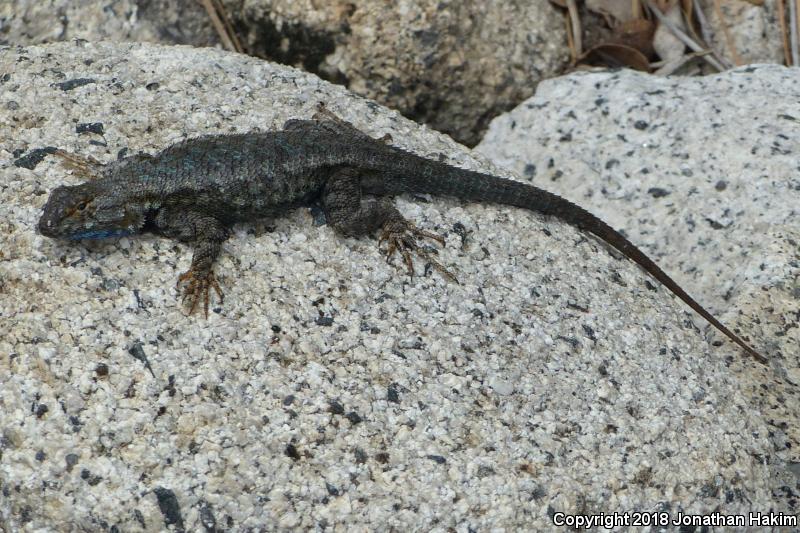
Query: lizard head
pixel 87 211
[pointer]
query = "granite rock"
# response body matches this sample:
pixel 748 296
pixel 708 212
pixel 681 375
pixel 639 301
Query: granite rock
pixel 27 22
pixel 451 64
pixel 330 391
pixel 703 174
pixel 753 29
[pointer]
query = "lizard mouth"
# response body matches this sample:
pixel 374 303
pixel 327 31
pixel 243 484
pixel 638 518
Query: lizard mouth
pixel 48 227
pixel 51 228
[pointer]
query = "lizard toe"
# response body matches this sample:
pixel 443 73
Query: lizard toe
pixel 401 236
pixel 197 285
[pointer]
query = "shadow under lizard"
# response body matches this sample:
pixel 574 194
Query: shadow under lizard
pixel 194 191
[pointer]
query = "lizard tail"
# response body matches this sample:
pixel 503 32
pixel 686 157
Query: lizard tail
pixel 444 180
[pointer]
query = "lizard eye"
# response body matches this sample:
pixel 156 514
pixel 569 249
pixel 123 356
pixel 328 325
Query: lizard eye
pixel 81 206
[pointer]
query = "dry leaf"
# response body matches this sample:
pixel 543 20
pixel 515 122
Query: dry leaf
pixel 620 10
pixel 636 34
pixel 687 6
pixel 616 55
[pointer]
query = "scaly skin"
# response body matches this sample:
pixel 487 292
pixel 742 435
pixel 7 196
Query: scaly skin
pixel 195 190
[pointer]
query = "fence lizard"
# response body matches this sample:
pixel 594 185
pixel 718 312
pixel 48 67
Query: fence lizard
pixel 195 190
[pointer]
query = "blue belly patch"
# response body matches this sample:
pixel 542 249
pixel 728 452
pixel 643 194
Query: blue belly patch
pixel 101 234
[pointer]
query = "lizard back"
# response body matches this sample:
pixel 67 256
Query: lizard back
pixel 236 177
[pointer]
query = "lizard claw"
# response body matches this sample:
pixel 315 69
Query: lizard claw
pixel 401 235
pixel 197 285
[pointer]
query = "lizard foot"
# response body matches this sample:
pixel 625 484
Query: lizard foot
pixel 401 235
pixel 197 286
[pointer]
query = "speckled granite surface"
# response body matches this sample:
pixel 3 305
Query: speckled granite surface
pixel 33 22
pixel 698 171
pixel 704 174
pixel 330 391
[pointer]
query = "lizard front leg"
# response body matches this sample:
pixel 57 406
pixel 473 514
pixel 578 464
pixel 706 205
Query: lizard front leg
pixel 351 214
pixel 205 234
pixel 85 165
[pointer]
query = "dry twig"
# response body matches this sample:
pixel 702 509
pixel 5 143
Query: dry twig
pixel 570 41
pixel 223 26
pixel 688 41
pixel 636 10
pixel 787 54
pixel 575 24
pixel 666 68
pixel 794 22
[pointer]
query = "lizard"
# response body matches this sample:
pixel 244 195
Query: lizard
pixel 195 190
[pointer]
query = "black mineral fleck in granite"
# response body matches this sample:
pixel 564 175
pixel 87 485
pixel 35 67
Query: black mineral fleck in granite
pixel 34 157
pixel 169 507
pixel 72 84
pixel 90 127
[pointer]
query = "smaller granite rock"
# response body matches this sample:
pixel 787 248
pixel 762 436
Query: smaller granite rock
pixel 451 64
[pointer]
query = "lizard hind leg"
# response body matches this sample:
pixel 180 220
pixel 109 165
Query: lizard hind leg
pixel 350 214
